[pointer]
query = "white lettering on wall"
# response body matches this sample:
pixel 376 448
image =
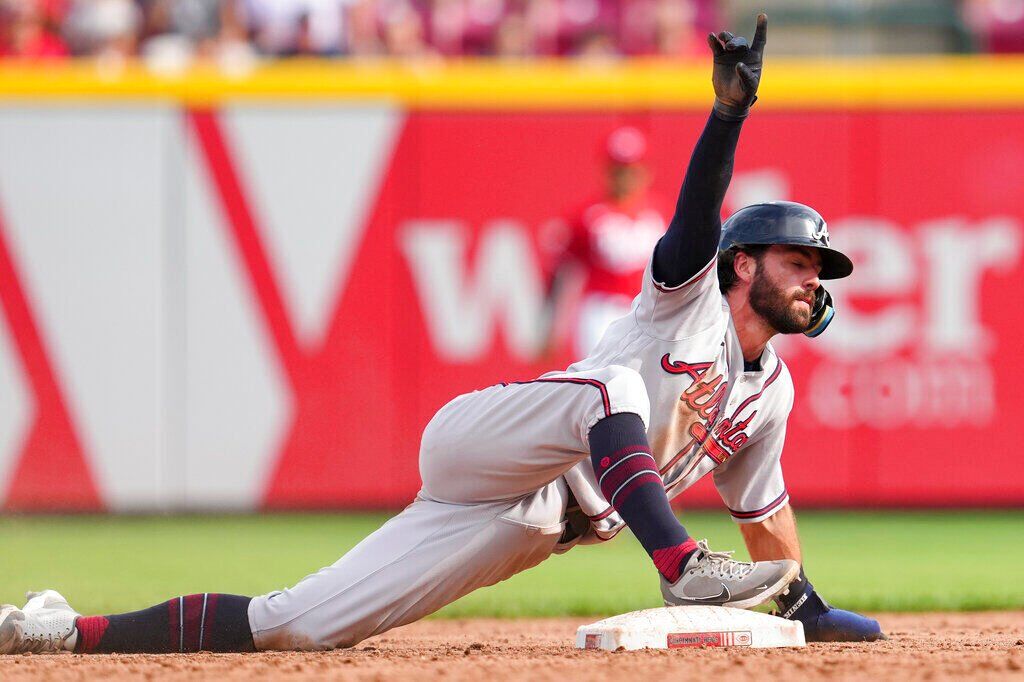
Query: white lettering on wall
pixel 920 355
pixel 755 187
pixel 464 302
pixel 958 254
pixel 917 354
pixel 884 266
pixel 899 392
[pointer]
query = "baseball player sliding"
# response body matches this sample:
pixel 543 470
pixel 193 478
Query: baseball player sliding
pixel 684 385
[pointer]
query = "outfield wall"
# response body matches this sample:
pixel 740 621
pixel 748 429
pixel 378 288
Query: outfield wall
pixel 254 292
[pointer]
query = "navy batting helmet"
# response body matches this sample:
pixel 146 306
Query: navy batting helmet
pixel 787 222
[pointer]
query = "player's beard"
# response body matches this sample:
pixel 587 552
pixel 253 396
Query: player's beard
pixel 776 307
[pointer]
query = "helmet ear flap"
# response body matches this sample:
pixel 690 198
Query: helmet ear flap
pixel 821 313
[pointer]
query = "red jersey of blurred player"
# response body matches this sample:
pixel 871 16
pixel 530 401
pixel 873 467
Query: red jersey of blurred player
pixel 610 241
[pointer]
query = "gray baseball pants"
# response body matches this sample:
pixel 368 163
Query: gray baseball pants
pixel 492 505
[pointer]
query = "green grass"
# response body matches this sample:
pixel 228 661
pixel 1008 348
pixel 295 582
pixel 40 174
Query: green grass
pixel 896 561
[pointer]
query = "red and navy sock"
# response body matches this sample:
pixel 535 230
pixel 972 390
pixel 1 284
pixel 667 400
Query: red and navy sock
pixel 198 622
pixel 630 481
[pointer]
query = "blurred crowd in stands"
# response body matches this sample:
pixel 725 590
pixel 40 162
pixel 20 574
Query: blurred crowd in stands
pixel 181 30
pixel 998 25
pixel 49 29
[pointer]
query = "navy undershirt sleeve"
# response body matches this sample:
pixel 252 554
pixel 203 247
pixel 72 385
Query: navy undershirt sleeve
pixel 693 235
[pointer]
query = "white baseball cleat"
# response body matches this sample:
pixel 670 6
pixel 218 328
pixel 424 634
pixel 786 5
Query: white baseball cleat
pixel 45 625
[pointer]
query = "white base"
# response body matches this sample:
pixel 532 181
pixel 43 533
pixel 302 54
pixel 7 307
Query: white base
pixel 677 627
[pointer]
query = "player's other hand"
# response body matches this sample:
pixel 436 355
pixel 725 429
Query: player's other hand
pixel 737 70
pixel 837 625
pixel 822 622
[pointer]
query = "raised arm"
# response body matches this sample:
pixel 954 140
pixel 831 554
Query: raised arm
pixel 692 237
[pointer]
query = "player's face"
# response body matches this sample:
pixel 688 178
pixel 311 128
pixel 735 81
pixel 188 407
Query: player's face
pixel 782 290
pixel 625 180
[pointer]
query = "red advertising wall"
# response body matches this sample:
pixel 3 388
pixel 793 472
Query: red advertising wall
pixel 911 398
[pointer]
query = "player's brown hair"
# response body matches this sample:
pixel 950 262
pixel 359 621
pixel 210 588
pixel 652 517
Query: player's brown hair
pixel 726 270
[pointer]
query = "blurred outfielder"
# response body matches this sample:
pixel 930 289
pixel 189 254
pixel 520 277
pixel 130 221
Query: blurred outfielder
pixel 684 385
pixel 607 244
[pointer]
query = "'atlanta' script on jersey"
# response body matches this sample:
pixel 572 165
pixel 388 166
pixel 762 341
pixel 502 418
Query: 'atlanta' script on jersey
pixel 707 413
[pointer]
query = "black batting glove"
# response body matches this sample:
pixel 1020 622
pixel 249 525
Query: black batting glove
pixel 737 70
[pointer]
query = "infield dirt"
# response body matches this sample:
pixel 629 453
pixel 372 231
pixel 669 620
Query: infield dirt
pixel 921 647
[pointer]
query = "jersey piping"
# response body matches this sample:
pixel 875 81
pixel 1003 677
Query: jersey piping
pixel 580 381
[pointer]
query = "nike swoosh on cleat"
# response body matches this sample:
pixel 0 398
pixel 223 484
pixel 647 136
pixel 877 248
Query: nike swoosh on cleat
pixel 721 596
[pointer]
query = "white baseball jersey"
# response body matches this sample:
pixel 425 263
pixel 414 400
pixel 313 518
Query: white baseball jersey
pixel 706 413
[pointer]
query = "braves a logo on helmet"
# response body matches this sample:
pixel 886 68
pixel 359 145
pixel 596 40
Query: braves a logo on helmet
pixel 821 233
